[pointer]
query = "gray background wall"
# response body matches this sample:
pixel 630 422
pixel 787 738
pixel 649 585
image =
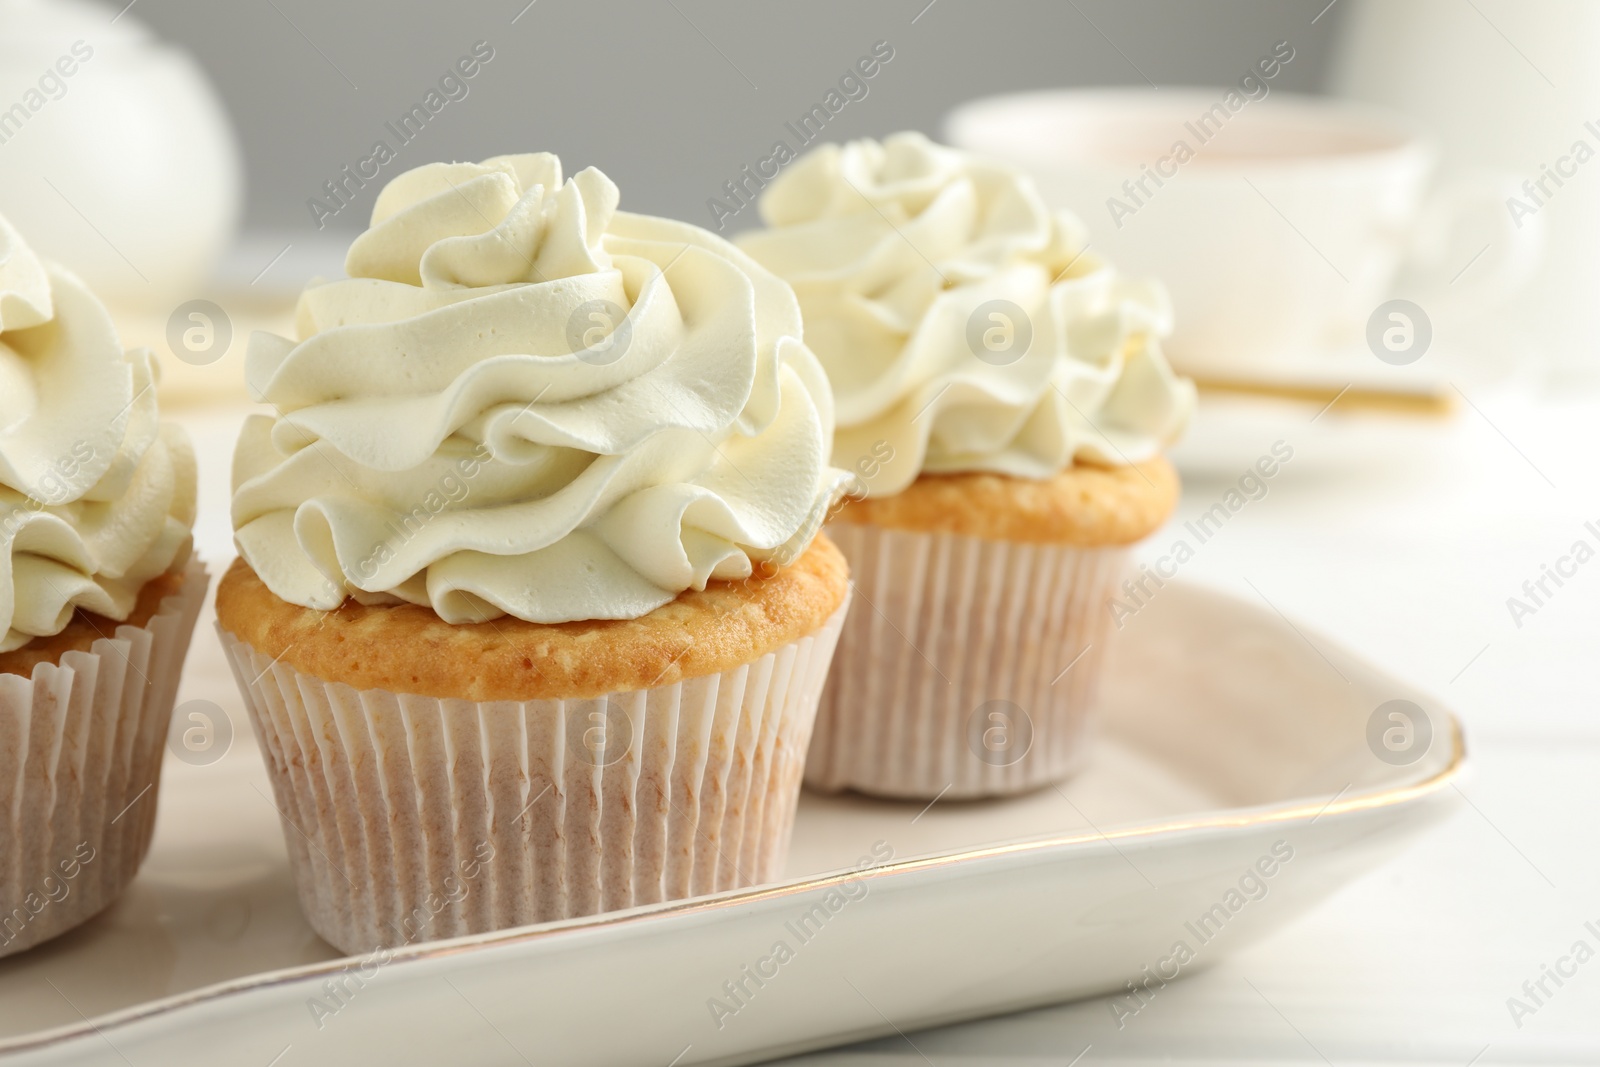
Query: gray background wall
pixel 672 97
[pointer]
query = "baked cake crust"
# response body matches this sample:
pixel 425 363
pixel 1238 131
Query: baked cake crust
pixel 406 648
pixel 1083 505
pixel 85 628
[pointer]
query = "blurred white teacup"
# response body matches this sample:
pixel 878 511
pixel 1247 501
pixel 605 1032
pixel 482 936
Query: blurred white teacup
pixel 1279 224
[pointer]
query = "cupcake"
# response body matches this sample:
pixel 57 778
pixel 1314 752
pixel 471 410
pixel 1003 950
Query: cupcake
pixel 1002 402
pixel 99 592
pixel 532 613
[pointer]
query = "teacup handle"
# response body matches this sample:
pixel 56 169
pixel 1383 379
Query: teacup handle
pixel 1510 257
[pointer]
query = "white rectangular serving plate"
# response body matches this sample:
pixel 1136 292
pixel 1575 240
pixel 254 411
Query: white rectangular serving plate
pixel 1231 787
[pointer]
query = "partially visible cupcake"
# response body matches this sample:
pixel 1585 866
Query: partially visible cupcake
pixel 99 593
pixel 1002 399
pixel 532 614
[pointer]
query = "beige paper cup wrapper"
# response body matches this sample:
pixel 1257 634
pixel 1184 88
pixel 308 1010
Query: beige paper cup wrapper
pixel 410 818
pixel 967 668
pixel 80 765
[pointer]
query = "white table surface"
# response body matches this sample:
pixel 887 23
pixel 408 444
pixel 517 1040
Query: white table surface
pixel 1401 539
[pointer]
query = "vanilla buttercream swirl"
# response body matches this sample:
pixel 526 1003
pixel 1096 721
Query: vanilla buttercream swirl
pixel 963 325
pixel 523 401
pixel 96 496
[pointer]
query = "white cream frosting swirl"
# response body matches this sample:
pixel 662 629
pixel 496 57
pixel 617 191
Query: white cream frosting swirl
pixel 524 401
pixel 96 496
pixel 897 251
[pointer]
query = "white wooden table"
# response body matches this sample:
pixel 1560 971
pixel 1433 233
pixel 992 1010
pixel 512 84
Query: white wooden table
pixel 1402 540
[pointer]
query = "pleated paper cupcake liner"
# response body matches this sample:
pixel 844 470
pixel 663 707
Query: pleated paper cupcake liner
pixel 968 667
pixel 80 766
pixel 410 818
